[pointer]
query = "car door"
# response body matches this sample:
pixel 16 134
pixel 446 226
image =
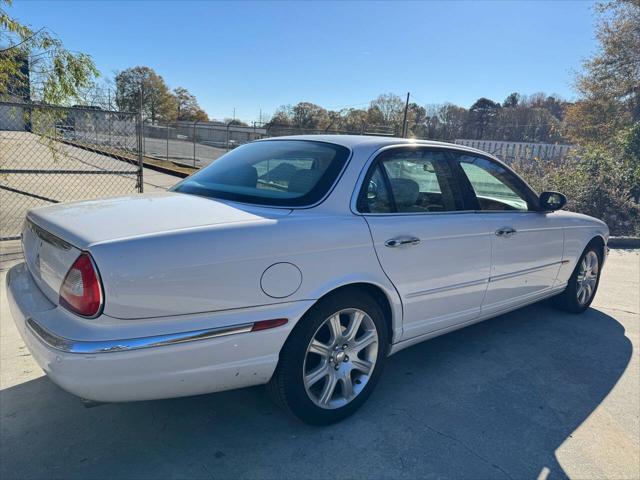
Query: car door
pixel 436 254
pixel 527 244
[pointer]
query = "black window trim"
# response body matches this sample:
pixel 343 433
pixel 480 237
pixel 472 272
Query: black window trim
pixel 375 163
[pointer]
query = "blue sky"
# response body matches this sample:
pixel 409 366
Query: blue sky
pixel 254 56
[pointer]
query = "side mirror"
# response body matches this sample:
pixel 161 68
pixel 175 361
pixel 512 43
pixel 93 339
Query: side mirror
pixel 550 201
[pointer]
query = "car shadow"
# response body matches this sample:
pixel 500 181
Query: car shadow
pixel 494 400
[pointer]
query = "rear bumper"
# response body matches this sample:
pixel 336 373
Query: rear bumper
pixel 172 363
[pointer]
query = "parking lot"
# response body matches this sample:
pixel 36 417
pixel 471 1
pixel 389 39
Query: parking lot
pixel 532 394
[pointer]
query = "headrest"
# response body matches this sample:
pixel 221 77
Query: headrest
pixel 243 176
pixel 304 180
pixel 405 191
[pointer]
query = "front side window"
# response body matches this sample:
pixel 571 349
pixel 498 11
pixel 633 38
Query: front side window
pixel 410 181
pixel 494 186
pixel 273 173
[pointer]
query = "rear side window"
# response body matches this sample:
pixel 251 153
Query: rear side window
pixel 415 180
pixel 273 173
pixel 376 197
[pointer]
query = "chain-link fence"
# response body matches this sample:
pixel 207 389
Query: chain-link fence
pixel 51 154
pixel 196 144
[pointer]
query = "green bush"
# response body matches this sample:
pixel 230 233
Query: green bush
pixel 601 181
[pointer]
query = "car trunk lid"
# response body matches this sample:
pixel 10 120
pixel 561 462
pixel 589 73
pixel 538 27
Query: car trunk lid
pixel 85 223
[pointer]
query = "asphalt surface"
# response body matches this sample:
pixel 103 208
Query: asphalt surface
pixel 532 394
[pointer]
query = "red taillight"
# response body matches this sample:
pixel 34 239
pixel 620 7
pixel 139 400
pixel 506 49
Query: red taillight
pixel 81 291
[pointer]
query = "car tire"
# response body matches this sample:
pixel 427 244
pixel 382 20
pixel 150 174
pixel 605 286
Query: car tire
pixel 322 377
pixel 583 283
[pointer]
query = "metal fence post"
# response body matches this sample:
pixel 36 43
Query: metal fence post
pixel 140 147
pixel 194 143
pixel 167 142
pixel 227 140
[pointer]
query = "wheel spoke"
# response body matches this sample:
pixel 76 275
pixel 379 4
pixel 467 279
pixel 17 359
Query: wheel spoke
pixel 319 348
pixel 354 326
pixel 579 292
pixel 328 389
pixel 365 340
pixel 363 366
pixel 335 327
pixel 316 375
pixel 582 296
pixel 347 385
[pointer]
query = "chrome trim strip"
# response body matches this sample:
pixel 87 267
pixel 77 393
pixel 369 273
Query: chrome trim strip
pixel 106 346
pixel 523 272
pixel 447 288
pixel 47 237
pixel 483 281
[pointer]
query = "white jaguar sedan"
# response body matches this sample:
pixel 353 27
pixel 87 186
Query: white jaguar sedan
pixel 300 262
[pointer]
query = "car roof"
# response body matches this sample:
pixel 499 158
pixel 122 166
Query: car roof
pixel 374 142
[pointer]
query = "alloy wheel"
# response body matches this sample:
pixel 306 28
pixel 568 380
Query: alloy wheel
pixel 587 277
pixel 340 358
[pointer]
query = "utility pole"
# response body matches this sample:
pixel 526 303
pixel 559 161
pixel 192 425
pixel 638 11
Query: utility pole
pixel 404 119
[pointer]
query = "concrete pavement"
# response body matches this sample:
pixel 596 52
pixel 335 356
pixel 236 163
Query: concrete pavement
pixel 536 393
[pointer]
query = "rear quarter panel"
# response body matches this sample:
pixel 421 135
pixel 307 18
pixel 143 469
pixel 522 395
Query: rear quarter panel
pixel 220 268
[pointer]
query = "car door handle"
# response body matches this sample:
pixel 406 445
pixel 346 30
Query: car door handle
pixel 398 242
pixel 506 232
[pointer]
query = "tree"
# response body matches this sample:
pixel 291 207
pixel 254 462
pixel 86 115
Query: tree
pixel 282 117
pixel 36 65
pixel 309 115
pixel 610 82
pixel 614 72
pixel 157 101
pixel 235 122
pixel 482 115
pixel 187 107
pixel 416 118
pixel 512 100
pixel 354 120
pixel 390 108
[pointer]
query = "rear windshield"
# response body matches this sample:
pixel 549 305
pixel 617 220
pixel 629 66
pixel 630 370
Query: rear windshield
pixel 278 172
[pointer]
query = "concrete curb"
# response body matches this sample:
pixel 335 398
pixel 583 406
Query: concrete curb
pixel 624 242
